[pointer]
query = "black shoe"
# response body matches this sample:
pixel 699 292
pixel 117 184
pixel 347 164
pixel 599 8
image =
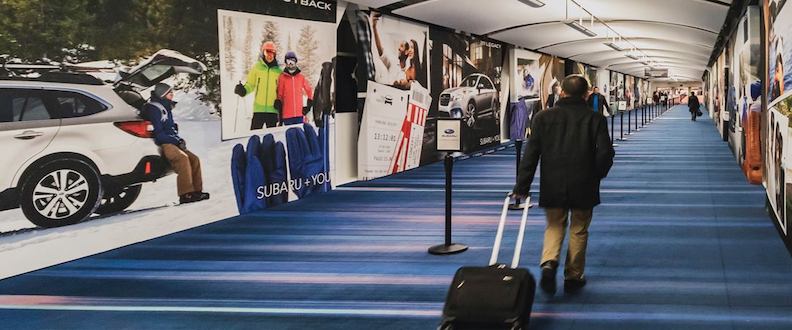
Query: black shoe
pixel 548 281
pixel 190 198
pixel 574 286
pixel 202 195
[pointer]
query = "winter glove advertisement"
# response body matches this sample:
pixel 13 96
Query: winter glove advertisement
pixel 270 171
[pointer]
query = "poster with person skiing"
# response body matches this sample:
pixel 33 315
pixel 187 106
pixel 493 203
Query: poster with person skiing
pixel 276 77
pixel 270 69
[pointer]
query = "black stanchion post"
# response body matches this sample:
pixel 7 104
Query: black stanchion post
pixel 621 126
pixel 518 145
pixel 448 247
pixel 629 122
pixel 613 125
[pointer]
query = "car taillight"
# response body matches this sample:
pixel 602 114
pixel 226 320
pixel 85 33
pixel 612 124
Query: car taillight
pixel 139 128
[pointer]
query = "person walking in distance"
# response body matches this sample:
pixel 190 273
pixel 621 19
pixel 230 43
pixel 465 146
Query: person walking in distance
pixel 693 106
pixel 575 152
pixel 187 166
pixel 262 81
pixel 598 102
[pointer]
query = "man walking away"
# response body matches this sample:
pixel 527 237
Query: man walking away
pixel 574 148
pixel 693 106
pixel 598 102
pixel 186 164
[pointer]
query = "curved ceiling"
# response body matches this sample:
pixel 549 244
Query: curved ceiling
pixel 677 34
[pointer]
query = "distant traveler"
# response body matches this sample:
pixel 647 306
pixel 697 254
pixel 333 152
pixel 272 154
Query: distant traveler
pixel 166 134
pixel 656 98
pixel 598 102
pixel 575 151
pixel 693 106
pixel 554 96
pixel 262 81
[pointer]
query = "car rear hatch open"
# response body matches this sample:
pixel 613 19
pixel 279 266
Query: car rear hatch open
pixel 160 66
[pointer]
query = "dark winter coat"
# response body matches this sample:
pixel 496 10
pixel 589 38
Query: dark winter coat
pixel 603 102
pixel 693 103
pixel 575 151
pixel 165 129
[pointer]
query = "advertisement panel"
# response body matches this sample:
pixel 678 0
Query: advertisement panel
pixel 383 65
pixel 525 91
pixel 629 91
pixel 466 82
pixel 778 19
pixel 616 91
pixel 275 80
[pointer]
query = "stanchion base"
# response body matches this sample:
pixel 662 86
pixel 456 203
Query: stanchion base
pixel 621 139
pixel 443 249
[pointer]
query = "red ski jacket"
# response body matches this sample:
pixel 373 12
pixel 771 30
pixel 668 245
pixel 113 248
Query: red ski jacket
pixel 290 91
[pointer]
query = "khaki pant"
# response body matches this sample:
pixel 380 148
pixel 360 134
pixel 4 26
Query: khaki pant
pixel 187 167
pixel 578 238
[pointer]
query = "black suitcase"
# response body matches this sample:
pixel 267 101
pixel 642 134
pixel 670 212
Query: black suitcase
pixel 493 297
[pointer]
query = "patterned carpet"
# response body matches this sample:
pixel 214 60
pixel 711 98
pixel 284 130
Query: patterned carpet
pixel 681 241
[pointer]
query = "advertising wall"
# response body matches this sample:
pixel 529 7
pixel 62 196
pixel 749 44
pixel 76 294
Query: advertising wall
pixel 525 90
pixel 616 92
pixel 745 84
pixel 466 82
pixel 778 19
pixel 390 67
pixel 406 76
pixel 629 91
pixel 553 73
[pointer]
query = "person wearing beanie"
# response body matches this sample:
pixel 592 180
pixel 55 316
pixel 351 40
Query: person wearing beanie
pixel 292 85
pixel 187 166
pixel 262 82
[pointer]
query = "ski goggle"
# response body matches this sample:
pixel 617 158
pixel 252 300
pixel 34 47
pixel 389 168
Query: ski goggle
pixel 291 61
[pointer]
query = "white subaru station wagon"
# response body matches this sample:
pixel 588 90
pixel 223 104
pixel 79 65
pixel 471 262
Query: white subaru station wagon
pixel 73 145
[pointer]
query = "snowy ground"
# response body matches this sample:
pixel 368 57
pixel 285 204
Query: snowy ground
pixel 24 248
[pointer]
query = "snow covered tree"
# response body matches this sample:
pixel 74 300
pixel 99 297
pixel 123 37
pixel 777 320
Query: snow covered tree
pixel 306 53
pixel 247 48
pixel 271 32
pixel 230 56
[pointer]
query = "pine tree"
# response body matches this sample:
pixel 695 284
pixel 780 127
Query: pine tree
pixel 230 59
pixel 271 32
pixel 306 52
pixel 247 47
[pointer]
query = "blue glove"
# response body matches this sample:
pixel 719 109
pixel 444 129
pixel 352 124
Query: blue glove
pixel 273 159
pixel 254 177
pixel 306 161
pixel 238 166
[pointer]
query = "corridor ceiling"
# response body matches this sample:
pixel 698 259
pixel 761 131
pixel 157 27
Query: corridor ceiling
pixel 678 34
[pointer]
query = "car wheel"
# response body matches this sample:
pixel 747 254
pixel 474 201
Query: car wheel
pixel 61 192
pixel 118 201
pixel 470 114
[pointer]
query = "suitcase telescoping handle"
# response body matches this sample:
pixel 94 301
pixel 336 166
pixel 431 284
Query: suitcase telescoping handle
pixel 520 235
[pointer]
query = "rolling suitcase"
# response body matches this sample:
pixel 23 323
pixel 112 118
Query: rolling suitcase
pixel 493 297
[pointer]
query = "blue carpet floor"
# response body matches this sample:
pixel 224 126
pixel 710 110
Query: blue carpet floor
pixel 681 241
